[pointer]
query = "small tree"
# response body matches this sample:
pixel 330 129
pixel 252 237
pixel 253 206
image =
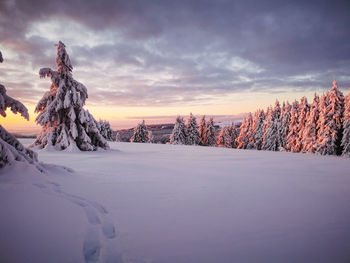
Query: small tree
pixel 210 133
pixel 256 139
pixel 106 130
pixel 118 137
pixel 304 109
pixel 284 128
pixel 293 132
pixel 179 134
pixel 271 136
pixel 11 150
pixel 65 123
pixel 193 137
pixel 202 131
pixel 246 131
pixel 310 131
pixel 346 127
pixel 141 134
pixel 224 138
pixel 233 135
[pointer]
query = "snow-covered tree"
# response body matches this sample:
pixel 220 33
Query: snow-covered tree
pixel 310 130
pixel 193 137
pixel 233 135
pixel 272 136
pixel 224 138
pixel 106 130
pixel 150 137
pixel 257 137
pixel 346 128
pixel 304 109
pixel 331 114
pixel 284 128
pixel 246 132
pixel 179 134
pixel 210 133
pixel 118 137
pixel 11 150
pixel 141 134
pixel 66 125
pixel 202 131
pixel 293 132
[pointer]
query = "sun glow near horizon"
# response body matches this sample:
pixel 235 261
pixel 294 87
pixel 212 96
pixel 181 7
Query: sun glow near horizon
pixel 128 117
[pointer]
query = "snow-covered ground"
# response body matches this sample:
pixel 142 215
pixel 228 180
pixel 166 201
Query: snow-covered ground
pixel 167 203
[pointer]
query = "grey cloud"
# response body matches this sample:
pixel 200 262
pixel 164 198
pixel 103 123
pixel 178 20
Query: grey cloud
pixel 188 45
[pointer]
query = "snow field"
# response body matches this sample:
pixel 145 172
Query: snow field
pixel 171 203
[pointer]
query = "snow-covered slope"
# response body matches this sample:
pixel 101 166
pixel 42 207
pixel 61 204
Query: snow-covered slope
pixel 168 203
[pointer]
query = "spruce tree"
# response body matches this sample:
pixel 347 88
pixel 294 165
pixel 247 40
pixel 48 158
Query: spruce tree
pixel 141 134
pixel 106 130
pixel 251 144
pixel 271 136
pixel 233 135
pixel 179 134
pixel 223 139
pixel 311 128
pixel 202 131
pixel 257 131
pixel 331 114
pixel 66 125
pixel 118 137
pixel 245 134
pixel 193 137
pixel 210 133
pixel 284 128
pixel 304 109
pixel 11 150
pixel 293 132
pixel 346 128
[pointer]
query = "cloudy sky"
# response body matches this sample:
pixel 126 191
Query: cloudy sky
pixel 156 59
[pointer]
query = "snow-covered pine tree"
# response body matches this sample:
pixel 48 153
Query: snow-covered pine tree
pixel 233 135
pixel 251 143
pixel 331 114
pixel 179 134
pixel 322 120
pixel 224 138
pixel 66 125
pixel 310 131
pixel 202 131
pixel 141 134
pixel 284 128
pixel 210 133
pixel 106 130
pixel 245 134
pixel 304 109
pixel 11 150
pixel 118 137
pixel 293 127
pixel 346 127
pixel 257 137
pixel 150 136
pixel 193 137
pixel 272 136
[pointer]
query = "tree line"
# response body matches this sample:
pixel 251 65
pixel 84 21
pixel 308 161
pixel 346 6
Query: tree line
pixel 321 127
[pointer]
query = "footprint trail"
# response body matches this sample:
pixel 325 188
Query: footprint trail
pixel 100 229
